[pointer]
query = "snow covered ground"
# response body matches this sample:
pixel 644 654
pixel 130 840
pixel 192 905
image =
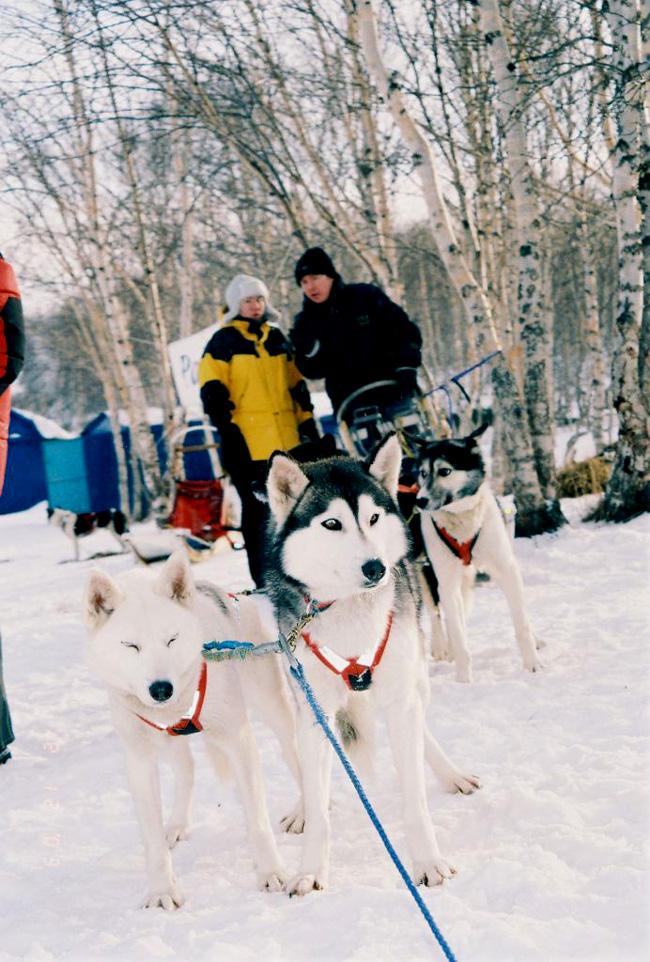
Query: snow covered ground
pixel 552 854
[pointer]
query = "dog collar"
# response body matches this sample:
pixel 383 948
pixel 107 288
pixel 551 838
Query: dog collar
pixel 189 723
pixel 355 672
pixel 462 551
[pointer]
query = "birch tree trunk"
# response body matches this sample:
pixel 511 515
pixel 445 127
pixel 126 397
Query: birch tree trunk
pixel 534 513
pixel 103 275
pixel 373 161
pixel 181 151
pixel 593 373
pixel 628 492
pixel 93 336
pixel 143 244
pixel 533 317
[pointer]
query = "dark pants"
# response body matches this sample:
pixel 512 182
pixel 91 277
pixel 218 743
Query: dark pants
pixel 6 731
pixel 254 514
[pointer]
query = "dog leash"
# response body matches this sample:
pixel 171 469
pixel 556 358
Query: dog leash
pixel 228 649
pixel 297 672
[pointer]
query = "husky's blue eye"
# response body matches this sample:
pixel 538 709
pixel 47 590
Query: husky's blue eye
pixel 444 472
pixel 130 644
pixel 332 524
pixel 374 519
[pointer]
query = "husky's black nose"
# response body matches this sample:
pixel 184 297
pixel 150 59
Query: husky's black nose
pixel 374 570
pixel 161 690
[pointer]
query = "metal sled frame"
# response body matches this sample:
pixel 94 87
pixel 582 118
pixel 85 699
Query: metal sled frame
pixel 369 425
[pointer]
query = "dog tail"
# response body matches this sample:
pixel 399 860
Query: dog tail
pixel 356 728
pixel 220 762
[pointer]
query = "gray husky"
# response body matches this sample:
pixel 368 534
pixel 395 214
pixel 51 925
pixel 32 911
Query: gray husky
pixel 338 543
pixel 463 529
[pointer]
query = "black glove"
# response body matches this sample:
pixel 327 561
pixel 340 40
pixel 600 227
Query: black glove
pixel 407 382
pixel 307 431
pixel 235 456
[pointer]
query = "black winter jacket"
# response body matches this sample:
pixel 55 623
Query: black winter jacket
pixel 357 336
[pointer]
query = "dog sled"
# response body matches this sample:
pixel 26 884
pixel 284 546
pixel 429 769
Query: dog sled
pixel 203 508
pixel 370 413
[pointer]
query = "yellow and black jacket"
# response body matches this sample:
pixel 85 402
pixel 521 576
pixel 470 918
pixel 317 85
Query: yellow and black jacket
pixel 248 378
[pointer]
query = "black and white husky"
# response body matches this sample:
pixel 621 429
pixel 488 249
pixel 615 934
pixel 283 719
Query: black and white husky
pixel 77 526
pixel 463 529
pixel 338 543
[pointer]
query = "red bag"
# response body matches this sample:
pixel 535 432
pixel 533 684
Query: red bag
pixel 198 506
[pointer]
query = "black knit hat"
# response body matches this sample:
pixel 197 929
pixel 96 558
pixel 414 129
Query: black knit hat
pixel 314 261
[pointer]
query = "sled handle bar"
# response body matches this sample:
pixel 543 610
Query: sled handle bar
pixel 361 390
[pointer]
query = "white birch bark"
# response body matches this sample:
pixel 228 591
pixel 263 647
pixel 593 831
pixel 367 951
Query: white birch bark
pixel 335 211
pixel 181 151
pixel 84 169
pixel 373 159
pixel 628 491
pixel 593 375
pixel 533 318
pixel 93 334
pixel 533 514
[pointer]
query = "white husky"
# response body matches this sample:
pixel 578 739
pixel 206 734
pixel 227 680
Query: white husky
pixel 339 543
pixel 145 642
pixel 463 529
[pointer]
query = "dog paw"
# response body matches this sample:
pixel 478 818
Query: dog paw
pixel 294 822
pixel 304 884
pixel 533 664
pixel 440 654
pixel 273 881
pixel 433 872
pixel 176 833
pixel 465 784
pixel 169 900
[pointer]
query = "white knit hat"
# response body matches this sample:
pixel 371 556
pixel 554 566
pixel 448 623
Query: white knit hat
pixel 242 286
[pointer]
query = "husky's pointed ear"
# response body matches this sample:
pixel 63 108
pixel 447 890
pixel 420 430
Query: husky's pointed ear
pixel 385 463
pixel 285 482
pixel 101 597
pixel 471 438
pixel 176 581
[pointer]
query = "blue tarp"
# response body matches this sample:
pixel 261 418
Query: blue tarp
pixel 25 480
pixel 80 474
pixel 101 461
pixel 67 477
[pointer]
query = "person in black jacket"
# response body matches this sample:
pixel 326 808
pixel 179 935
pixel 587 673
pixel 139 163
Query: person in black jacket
pixel 352 335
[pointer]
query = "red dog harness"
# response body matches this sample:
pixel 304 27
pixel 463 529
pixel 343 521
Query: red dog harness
pixel 462 551
pixel 355 672
pixel 189 723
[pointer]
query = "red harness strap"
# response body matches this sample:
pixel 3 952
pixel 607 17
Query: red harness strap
pixel 408 488
pixel 189 724
pixel 356 675
pixel 462 551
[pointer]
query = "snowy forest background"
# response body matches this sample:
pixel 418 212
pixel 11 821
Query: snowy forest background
pixel 485 162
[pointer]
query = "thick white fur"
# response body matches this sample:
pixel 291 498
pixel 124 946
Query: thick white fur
pixel 169 620
pixel 329 563
pixel 493 554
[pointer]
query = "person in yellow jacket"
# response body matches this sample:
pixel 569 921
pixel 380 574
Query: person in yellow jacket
pixel 255 396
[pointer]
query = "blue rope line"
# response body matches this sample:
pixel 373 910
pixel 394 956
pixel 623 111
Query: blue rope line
pixel 455 379
pixel 480 363
pixel 298 674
